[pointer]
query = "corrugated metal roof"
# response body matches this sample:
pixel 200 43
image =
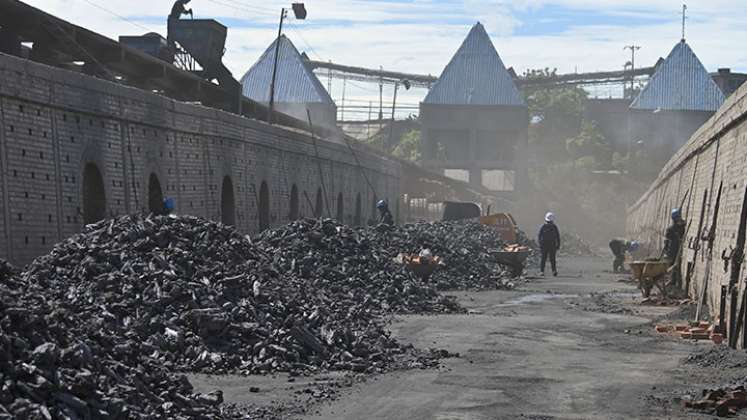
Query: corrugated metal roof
pixel 681 83
pixel 475 76
pixel 294 82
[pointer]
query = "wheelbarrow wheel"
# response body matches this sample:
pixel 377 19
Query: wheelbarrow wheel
pixel 517 270
pixel 645 287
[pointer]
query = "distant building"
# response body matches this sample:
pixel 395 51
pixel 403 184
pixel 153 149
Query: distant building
pixel 727 81
pixel 678 99
pixel 296 87
pixel 610 117
pixel 474 119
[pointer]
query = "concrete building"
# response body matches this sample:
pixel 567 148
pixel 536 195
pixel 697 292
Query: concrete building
pixel 610 116
pixel 296 87
pixel 475 120
pixel 678 99
pixel 727 81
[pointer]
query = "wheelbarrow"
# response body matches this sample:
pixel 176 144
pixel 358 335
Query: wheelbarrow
pixel 649 274
pixel 513 257
pixel 421 267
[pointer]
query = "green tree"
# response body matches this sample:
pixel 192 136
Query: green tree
pixel 589 149
pixel 556 114
pixel 409 146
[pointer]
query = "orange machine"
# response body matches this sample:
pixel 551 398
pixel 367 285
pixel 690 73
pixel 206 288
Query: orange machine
pixel 504 224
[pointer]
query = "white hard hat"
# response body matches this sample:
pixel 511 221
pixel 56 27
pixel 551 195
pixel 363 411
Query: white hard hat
pixel 550 217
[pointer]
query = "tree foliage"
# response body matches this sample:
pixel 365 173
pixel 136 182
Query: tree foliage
pixel 409 146
pixel 589 149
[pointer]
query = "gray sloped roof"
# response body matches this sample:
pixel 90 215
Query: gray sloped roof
pixel 294 81
pixel 475 76
pixel 681 83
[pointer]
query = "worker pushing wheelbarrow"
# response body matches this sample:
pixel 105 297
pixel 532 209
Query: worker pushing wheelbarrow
pixel 650 274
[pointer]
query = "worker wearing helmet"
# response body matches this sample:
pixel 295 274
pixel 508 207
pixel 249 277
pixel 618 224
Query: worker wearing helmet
pixel 179 9
pixel 619 247
pixel 549 242
pixel 169 205
pixel 673 243
pixel 385 216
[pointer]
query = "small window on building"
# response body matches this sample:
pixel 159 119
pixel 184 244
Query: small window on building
pixel 497 180
pixel 458 174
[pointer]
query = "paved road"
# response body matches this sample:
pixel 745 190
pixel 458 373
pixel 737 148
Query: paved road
pixel 537 353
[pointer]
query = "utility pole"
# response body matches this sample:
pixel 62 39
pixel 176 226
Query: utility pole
pixel 391 123
pixel 344 85
pixel 684 17
pixel 368 121
pixel 633 48
pixel 329 80
pixel 299 11
pixel 381 100
pixel 283 14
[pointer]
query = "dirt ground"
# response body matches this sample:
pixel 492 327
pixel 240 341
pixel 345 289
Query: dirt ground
pixel 579 346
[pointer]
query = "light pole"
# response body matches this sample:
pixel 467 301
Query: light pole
pixel 299 10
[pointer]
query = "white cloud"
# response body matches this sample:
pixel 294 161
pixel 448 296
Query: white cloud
pixel 420 36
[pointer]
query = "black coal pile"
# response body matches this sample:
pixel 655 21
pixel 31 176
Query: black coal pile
pixel 176 289
pixel 464 247
pixel 197 296
pixel 356 266
pixel 50 371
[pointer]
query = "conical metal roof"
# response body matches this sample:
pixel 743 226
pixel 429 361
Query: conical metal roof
pixel 294 82
pixel 475 76
pixel 681 83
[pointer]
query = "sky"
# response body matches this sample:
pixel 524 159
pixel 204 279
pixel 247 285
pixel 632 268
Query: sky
pixel 420 36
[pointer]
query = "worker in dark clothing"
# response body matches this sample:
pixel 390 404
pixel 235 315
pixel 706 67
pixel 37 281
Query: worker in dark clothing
pixel 549 242
pixel 179 9
pixel 673 243
pixel 385 216
pixel 169 204
pixel 619 247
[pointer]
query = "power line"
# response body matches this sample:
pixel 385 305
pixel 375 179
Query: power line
pixel 297 31
pixel 242 8
pixel 117 15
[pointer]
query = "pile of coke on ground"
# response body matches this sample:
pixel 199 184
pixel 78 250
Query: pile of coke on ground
pixel 102 325
pixel 464 246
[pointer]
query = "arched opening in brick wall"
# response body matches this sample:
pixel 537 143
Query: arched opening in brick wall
pixel 264 207
pixel 94 194
pixel 227 202
pixel 155 195
pixel 319 207
pixel 293 214
pixel 358 210
pixel 340 208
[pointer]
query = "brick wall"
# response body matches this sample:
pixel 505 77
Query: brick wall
pixel 55 123
pixel 712 160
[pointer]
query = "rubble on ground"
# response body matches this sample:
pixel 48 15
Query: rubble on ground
pixel 719 357
pixel 703 330
pixel 572 244
pixel 722 402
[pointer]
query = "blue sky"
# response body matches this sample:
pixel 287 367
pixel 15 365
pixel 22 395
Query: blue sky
pixel 421 35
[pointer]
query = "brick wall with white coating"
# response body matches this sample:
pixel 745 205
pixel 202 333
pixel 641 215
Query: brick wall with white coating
pixel 74 147
pixel 708 179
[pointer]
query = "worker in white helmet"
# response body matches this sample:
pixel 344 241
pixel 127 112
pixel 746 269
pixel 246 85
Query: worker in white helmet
pixel 549 242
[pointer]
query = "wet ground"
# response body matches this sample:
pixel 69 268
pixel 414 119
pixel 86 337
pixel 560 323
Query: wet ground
pixel 578 346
